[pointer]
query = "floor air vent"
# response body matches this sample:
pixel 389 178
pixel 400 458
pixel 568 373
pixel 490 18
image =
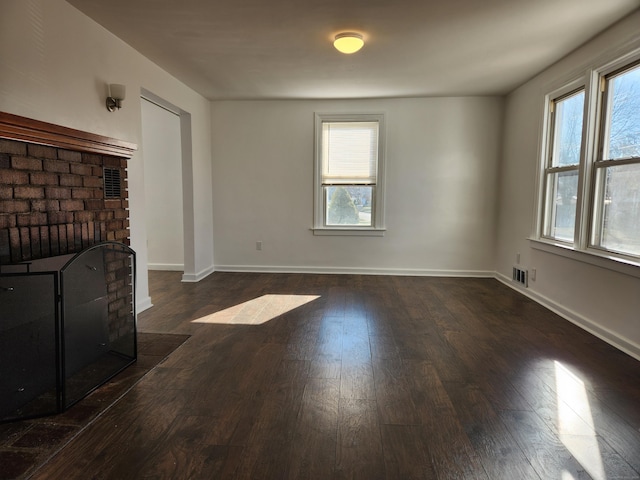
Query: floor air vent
pixel 520 276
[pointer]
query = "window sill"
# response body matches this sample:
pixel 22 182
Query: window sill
pixel 353 232
pixel 592 257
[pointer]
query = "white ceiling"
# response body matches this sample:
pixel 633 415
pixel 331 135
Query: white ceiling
pixel 254 49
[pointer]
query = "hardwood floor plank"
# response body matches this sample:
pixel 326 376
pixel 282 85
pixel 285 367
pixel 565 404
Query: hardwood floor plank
pixel 547 454
pixel 394 394
pixel 384 347
pixel 489 370
pixel 568 404
pixel 185 453
pixel 619 432
pixel 120 438
pixel 313 452
pixel 303 337
pixel 355 349
pixel 359 450
pixel 498 452
pixel 357 381
pixel 411 347
pixel 326 360
pixel 452 454
pixel 240 393
pixel 444 358
pixel 267 441
pixel 406 453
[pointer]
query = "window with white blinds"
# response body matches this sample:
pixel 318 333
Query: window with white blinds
pixel 349 169
pixel 350 153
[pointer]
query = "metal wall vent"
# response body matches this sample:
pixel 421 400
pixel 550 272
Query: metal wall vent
pixel 112 183
pixel 520 276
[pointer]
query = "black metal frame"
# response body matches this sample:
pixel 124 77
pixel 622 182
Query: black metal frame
pixel 58 309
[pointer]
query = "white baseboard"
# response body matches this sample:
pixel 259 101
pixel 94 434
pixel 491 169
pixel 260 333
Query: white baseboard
pixel 356 271
pixel 581 321
pixel 143 304
pixel 169 267
pixel 196 277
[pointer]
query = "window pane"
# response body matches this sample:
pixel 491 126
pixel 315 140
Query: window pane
pixel 623 120
pixel 349 206
pixel 562 192
pixel 620 209
pixel 567 135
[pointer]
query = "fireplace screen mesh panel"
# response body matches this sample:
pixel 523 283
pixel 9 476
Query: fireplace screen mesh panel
pixel 69 334
pixel 98 318
pixel 29 322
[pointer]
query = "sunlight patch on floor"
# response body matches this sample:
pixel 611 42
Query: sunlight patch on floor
pixel 575 423
pixel 258 311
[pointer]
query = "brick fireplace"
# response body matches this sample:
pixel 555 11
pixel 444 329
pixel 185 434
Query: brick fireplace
pixel 67 274
pixel 61 190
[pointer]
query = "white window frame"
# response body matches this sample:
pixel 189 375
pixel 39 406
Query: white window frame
pixel 377 227
pixel 548 170
pixel 582 248
pixel 598 161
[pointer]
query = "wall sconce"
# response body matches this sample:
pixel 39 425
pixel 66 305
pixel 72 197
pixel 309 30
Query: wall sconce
pixel 117 92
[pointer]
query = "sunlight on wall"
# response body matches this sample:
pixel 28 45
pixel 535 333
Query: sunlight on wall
pixel 259 310
pixel 575 423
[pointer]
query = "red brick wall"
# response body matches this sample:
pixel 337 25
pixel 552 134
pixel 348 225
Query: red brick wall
pixel 119 279
pixel 52 201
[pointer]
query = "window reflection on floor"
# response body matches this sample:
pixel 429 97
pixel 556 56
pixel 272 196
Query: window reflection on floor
pixel 575 423
pixel 259 310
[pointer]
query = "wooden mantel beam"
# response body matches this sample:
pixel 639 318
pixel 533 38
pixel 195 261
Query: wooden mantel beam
pixel 15 127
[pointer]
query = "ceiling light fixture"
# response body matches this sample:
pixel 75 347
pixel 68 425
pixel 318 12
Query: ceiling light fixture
pixel 348 42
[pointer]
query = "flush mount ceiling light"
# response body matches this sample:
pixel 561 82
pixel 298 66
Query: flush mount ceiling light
pixel 348 42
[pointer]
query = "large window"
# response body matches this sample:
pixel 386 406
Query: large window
pixel 348 174
pixel 562 169
pixel 590 193
pixel 616 218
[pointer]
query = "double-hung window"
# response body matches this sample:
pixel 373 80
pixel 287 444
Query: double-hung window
pixel 349 171
pixel 563 161
pixel 616 209
pixel 590 189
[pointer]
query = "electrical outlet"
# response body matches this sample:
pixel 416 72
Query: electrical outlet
pixel 532 274
pixel 259 245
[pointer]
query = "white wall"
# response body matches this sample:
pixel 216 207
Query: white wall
pixel 603 301
pixel 442 158
pixel 55 65
pixel 163 187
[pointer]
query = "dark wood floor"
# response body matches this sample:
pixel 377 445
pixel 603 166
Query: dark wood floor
pixel 26 445
pixel 366 377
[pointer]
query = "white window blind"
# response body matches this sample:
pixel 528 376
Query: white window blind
pixel 350 156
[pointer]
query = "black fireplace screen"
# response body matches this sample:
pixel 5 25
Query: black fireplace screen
pixel 67 325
